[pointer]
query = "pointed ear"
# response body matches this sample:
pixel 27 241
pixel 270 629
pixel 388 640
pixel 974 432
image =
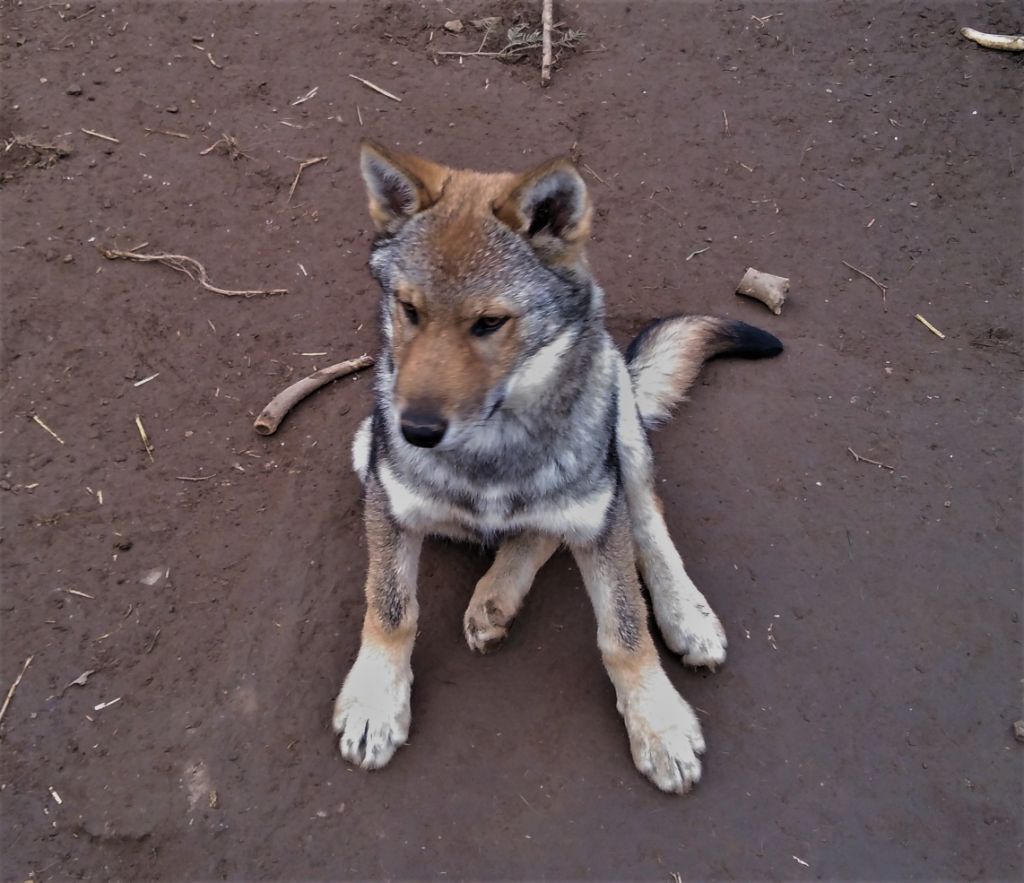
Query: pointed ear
pixel 549 207
pixel 398 185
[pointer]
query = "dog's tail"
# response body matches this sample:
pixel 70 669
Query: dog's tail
pixel 667 355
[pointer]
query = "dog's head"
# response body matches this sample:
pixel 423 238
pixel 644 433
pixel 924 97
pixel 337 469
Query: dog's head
pixel 483 276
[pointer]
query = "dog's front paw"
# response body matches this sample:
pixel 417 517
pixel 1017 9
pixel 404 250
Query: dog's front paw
pixel 664 736
pixel 372 711
pixel 695 633
pixel 485 625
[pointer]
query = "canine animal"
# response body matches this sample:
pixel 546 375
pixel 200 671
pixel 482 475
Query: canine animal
pixel 505 414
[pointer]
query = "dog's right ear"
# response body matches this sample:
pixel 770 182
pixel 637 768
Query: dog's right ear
pixel 399 185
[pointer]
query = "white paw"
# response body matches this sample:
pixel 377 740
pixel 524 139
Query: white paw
pixel 485 625
pixel 692 630
pixel 664 736
pixel 372 713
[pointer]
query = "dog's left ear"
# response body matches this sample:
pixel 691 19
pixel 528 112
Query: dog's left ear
pixel 550 207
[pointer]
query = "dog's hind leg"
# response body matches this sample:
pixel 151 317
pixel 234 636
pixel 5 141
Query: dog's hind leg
pixel 685 619
pixel 500 592
pixel 664 735
pixel 372 713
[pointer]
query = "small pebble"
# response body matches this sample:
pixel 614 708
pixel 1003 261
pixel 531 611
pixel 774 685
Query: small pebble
pixel 172 109
pixel 74 89
pixel 454 26
pixel 1018 731
pixel 68 258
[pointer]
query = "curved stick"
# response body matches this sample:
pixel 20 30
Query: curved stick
pixel 272 415
pixel 1005 42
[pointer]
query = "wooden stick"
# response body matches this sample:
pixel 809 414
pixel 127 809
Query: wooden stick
pixel 929 326
pixel 272 415
pixel 545 64
pixel 14 686
pixel 95 134
pixel 376 88
pixel 995 41
pixel 190 267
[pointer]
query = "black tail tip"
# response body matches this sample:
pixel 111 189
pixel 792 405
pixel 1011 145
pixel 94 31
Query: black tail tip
pixel 748 342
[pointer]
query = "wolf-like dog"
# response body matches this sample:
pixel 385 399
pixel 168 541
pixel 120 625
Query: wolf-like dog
pixel 504 414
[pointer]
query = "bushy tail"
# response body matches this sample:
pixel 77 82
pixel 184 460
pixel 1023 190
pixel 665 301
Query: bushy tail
pixel 667 355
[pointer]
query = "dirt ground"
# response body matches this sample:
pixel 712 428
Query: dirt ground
pixel 862 727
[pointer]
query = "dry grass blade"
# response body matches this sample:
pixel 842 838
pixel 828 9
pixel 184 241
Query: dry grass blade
pixel 303 164
pixel 190 267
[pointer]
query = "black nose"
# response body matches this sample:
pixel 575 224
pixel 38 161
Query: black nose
pixel 422 428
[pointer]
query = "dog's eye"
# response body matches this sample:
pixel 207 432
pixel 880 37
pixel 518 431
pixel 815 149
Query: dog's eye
pixel 488 325
pixel 410 312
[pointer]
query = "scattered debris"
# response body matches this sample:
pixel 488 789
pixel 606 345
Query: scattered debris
pixel 694 254
pixel 79 594
pixel 882 288
pixel 39 420
pixel 190 267
pixel 38 153
pixel 144 436
pixel 303 164
pixel 520 40
pixel 100 135
pixel 1005 42
pixel 80 681
pixel 55 795
pixel 800 861
pixel 195 477
pixel 230 145
pixel 770 290
pixel 302 99
pixel 14 686
pixel 376 88
pixel 861 459
pixel 152 577
pixel 929 326
pixel 103 705
pixel 146 379
pixel 272 415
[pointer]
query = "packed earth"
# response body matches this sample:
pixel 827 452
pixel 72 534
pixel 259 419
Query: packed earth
pixel 189 593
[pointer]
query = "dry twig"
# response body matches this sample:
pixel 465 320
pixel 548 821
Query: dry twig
pixel 39 420
pixel 376 88
pixel 190 267
pixel 929 326
pixel 272 415
pixel 14 686
pixel 303 164
pixel 96 134
pixel 545 24
pixel 882 288
pixel 861 459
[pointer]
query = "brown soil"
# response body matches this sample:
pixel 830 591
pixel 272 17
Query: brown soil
pixel 863 725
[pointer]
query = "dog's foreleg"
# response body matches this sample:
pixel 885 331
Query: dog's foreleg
pixel 500 592
pixel 371 713
pixel 685 618
pixel 664 735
